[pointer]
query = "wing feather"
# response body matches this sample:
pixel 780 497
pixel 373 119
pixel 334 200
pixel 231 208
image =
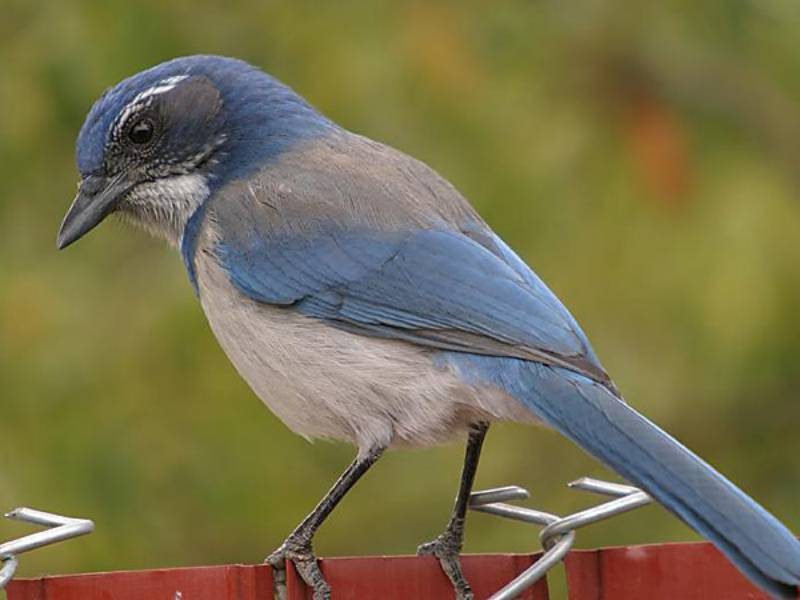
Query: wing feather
pixel 433 287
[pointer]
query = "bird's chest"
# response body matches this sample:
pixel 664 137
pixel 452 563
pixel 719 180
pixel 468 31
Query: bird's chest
pixel 277 357
pixel 325 382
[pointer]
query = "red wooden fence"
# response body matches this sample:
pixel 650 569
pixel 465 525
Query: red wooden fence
pixel 693 571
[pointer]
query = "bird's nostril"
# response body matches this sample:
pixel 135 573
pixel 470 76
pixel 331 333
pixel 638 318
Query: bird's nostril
pixel 92 184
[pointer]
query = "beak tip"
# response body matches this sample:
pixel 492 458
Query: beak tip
pixel 63 240
pixel 97 198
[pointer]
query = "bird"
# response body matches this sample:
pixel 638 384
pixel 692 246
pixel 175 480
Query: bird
pixel 363 299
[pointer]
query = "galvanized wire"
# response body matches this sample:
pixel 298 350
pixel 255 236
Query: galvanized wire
pixel 558 534
pixel 60 528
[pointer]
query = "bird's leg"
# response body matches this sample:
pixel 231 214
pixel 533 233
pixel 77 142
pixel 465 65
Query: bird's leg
pixel 448 545
pixel 297 546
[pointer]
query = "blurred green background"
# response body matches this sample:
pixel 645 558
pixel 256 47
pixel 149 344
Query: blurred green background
pixel 643 157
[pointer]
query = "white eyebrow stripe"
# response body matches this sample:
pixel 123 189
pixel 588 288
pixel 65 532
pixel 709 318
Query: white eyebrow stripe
pixel 161 87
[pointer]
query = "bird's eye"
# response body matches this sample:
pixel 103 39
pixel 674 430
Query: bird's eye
pixel 142 131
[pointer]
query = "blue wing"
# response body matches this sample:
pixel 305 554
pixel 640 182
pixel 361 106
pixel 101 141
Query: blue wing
pixel 446 289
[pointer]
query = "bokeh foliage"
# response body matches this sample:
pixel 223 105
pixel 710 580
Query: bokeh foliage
pixel 644 157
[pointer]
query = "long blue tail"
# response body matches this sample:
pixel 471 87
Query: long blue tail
pixel 586 412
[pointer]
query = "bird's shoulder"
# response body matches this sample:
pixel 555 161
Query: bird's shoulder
pixel 368 239
pixel 345 177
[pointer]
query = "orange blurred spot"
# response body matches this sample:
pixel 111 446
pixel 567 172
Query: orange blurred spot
pixel 659 148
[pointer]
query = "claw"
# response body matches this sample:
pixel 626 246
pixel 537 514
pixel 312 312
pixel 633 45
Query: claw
pixel 447 548
pixel 299 552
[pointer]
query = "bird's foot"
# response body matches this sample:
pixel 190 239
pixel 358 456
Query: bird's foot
pixel 298 550
pixel 447 548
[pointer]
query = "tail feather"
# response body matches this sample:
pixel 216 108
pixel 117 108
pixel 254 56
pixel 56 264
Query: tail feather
pixel 588 413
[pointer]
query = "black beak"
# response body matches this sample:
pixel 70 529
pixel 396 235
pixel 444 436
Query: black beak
pixel 97 198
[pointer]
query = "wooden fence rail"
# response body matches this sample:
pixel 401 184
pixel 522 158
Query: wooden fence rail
pixel 690 571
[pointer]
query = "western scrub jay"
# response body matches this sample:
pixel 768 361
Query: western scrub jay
pixel 363 299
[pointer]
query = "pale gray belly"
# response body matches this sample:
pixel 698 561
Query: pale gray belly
pixel 325 382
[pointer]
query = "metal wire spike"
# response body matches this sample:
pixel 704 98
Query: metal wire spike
pixel 558 534
pixel 60 528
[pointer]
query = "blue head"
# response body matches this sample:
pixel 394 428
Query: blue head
pixel 156 145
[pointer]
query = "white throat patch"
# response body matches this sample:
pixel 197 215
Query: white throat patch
pixel 163 206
